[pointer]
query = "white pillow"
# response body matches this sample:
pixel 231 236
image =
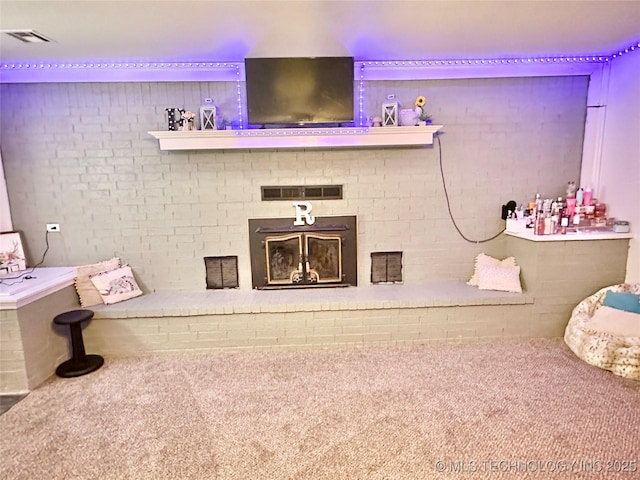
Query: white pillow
pixel 116 285
pixel 499 277
pixel 483 259
pixel 616 322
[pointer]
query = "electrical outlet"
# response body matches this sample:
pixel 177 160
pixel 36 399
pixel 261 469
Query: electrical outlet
pixel 53 227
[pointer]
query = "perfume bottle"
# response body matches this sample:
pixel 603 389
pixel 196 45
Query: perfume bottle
pixel 571 190
pixel 538 223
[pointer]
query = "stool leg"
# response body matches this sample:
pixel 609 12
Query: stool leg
pixel 80 363
pixel 77 344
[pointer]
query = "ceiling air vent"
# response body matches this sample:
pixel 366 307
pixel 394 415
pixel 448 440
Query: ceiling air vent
pixel 27 36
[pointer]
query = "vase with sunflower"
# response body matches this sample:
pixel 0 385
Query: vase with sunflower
pixel 421 110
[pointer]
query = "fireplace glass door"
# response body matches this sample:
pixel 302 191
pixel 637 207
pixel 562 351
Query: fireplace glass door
pixel 303 258
pixel 284 259
pixel 324 257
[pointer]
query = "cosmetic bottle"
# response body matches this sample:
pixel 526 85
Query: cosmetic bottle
pixel 571 190
pixel 538 221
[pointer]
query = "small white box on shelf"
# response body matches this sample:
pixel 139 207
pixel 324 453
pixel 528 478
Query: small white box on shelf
pixel 621 226
pixel 517 225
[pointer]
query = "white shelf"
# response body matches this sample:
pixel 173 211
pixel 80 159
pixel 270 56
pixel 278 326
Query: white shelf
pixel 571 236
pixel 296 138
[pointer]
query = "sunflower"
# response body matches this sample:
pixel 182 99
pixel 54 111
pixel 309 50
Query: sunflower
pixel 421 110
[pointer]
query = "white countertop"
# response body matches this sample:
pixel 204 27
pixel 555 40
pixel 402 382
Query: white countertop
pixel 16 290
pixel 571 236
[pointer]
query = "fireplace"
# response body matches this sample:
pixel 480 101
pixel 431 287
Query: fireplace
pixel 284 255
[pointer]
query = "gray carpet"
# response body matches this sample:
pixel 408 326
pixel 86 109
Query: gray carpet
pixel 504 409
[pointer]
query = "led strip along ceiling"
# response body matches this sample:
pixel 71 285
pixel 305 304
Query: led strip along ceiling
pixel 391 63
pixel 236 68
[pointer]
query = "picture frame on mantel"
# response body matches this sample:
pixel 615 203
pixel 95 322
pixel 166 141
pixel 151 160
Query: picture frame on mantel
pixel 12 257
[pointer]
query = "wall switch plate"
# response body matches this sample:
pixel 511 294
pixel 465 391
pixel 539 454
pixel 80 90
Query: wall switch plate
pixel 53 227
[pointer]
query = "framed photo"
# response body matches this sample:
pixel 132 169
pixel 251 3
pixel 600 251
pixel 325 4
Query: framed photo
pixel 11 253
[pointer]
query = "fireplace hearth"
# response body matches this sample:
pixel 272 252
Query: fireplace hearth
pixel 284 255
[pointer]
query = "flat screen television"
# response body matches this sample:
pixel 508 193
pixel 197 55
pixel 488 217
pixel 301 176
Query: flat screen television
pixel 300 91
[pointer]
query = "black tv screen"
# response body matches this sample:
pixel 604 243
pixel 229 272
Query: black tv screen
pixel 300 91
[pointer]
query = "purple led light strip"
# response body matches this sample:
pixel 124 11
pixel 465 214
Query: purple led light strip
pixel 119 65
pixel 393 63
pixel 626 50
pixel 204 67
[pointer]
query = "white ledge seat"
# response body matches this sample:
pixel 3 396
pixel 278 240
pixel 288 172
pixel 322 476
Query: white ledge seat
pixel 231 301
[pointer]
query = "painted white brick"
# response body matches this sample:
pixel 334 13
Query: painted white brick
pixel 489 156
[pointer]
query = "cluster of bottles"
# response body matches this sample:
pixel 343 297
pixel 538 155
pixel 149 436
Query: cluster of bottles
pixel 578 208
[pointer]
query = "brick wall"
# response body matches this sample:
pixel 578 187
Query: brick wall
pixel 30 346
pixel 80 155
pixel 13 375
pixel 305 330
pixel 561 274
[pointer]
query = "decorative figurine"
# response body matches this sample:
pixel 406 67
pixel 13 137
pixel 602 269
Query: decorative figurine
pixel 187 121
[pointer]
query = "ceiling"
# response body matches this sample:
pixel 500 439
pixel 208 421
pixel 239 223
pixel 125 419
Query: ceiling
pixel 217 30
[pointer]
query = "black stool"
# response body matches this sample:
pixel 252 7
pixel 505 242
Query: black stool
pixel 80 363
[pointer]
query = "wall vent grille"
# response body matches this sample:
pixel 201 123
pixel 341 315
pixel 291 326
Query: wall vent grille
pixel 302 192
pixel 222 272
pixel 386 267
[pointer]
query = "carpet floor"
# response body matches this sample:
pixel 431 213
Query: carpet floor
pixel 500 409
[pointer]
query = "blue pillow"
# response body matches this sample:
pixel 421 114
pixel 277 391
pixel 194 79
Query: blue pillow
pixel 629 302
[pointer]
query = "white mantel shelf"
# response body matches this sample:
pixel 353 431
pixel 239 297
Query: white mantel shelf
pixel 345 137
